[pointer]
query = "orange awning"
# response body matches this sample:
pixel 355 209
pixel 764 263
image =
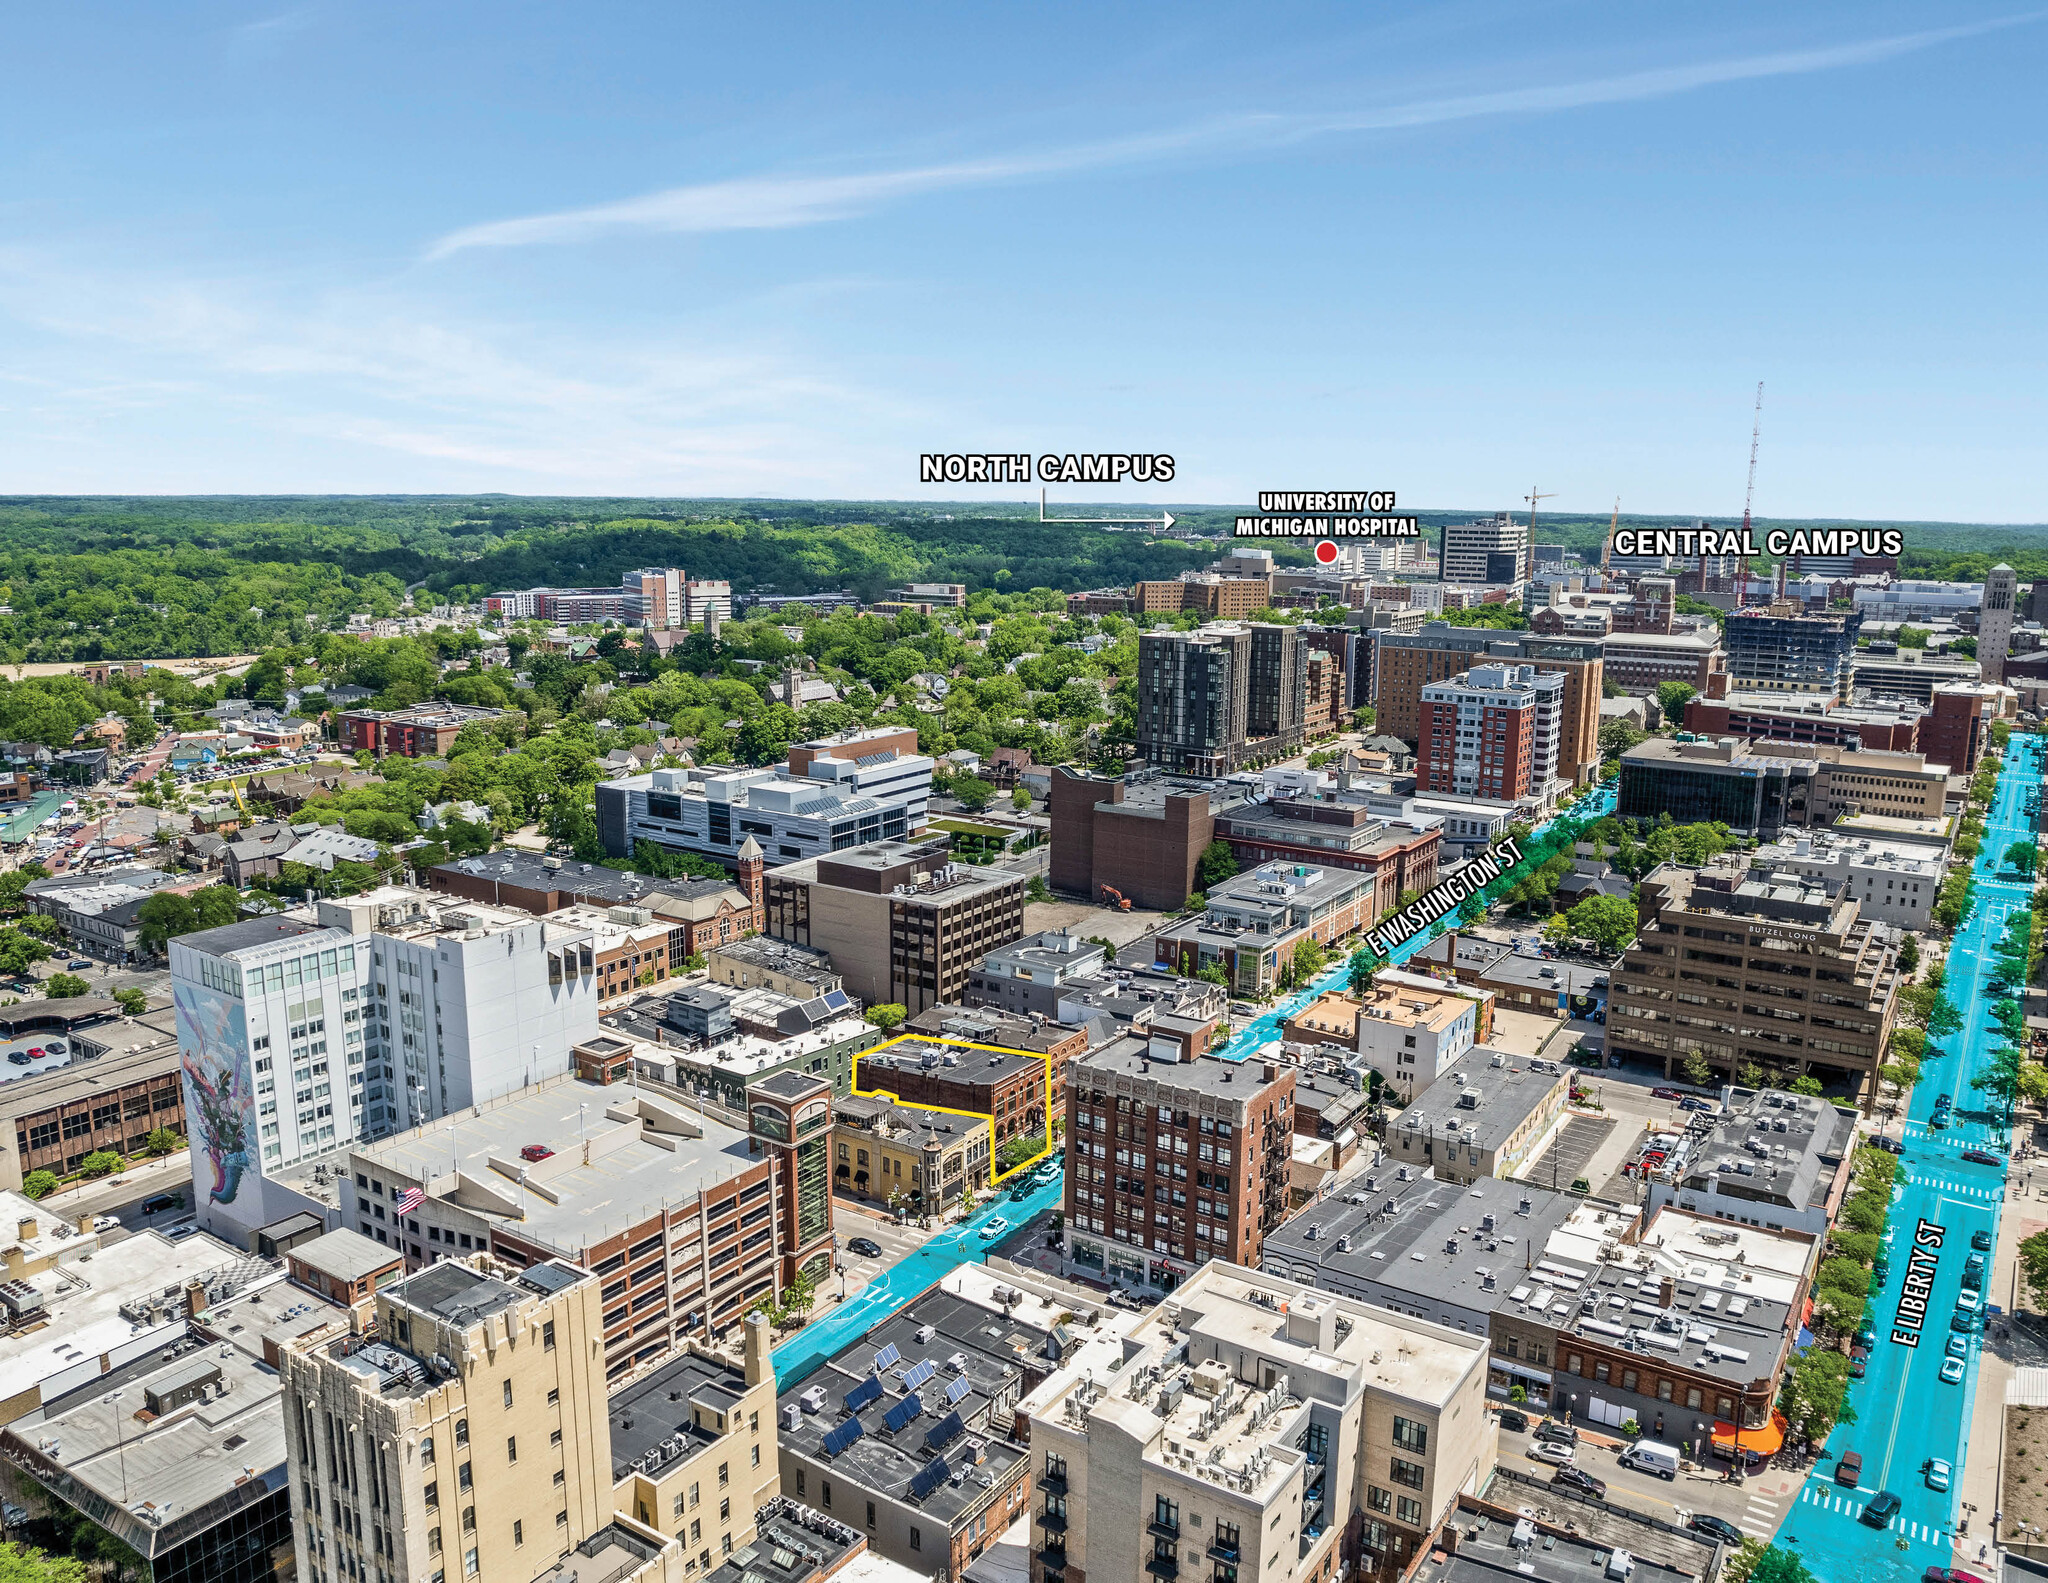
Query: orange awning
pixel 1764 1442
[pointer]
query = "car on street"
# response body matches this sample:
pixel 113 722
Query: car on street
pixel 995 1228
pixel 1949 1575
pixel 1578 1479
pixel 1951 1371
pixel 1859 1360
pixel 1962 1321
pixel 180 1233
pixel 1937 1473
pixel 1719 1528
pixel 1889 1145
pixel 1558 1429
pixel 78 962
pixel 1019 1194
pixel 1883 1507
pixel 1959 1346
pixel 1551 1451
pixel 1938 1121
pixel 1694 1102
pixel 1982 1157
pixel 1514 1420
pixel 1969 1302
pixel 1849 1470
pixel 1981 1241
pixel 1944 1102
pixel 161 1201
pixel 866 1247
pixel 1667 1093
pixel 1866 1334
pixel 105 1222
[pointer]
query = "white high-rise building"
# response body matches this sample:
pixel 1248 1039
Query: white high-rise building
pixel 471 1001
pixel 302 1034
pixel 1487 550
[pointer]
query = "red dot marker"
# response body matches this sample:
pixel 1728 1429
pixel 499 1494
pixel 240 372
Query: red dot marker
pixel 1326 552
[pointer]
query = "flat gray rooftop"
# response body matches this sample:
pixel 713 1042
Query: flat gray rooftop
pixel 247 933
pixel 655 1417
pixel 620 1188
pixel 1461 1247
pixel 1209 1074
pixel 1509 1089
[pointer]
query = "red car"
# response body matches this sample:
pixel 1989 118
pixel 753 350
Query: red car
pixel 1974 1156
pixel 1949 1575
pixel 1667 1093
pixel 37 1053
pixel 535 1151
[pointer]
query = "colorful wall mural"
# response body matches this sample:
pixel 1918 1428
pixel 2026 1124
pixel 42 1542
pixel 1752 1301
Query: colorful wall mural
pixel 220 1094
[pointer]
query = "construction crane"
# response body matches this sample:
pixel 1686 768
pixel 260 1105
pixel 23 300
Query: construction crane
pixel 1756 430
pixel 1532 497
pixel 1607 549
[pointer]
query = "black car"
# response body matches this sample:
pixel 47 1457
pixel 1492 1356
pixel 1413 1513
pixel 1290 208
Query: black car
pixel 1883 1507
pixel 151 1206
pixel 1517 1421
pixel 1563 1433
pixel 1889 1145
pixel 866 1247
pixel 1716 1528
pixel 1981 1241
pixel 1574 1479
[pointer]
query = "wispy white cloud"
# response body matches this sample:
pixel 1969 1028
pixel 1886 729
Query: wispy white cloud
pixel 753 203
pixel 714 408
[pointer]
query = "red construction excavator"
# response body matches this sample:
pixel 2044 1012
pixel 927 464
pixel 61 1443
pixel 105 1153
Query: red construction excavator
pixel 1111 894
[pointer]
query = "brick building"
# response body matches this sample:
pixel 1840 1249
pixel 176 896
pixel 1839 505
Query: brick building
pixel 423 731
pixel 1492 732
pixel 1172 1163
pixel 118 1081
pixel 1008 1086
pixel 1142 841
pixel 1405 663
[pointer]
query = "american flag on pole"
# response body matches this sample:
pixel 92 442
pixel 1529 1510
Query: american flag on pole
pixel 410 1199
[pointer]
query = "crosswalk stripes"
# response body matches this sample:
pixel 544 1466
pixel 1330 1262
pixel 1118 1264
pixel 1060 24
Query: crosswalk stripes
pixel 1828 1499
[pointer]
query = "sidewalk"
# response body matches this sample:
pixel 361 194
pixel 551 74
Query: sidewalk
pixel 129 1182
pixel 2025 1213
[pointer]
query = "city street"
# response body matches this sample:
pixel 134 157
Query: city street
pixel 1755 1505
pixel 1904 1412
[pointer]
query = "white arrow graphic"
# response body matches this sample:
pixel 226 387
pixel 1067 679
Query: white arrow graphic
pixel 1164 519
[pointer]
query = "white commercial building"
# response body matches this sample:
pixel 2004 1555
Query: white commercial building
pixel 1411 1036
pixel 302 1035
pixel 1487 551
pixel 835 793
pixel 1895 882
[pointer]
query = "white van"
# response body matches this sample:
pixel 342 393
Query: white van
pixel 1652 1457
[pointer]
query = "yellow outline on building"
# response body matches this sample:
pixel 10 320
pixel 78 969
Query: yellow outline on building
pixel 978 1115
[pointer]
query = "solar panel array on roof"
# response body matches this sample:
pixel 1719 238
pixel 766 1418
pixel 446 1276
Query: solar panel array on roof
pixel 836 999
pixel 837 1440
pixel 944 1430
pixel 887 1356
pixel 904 1412
pixel 857 1398
pixel 958 1389
pixel 930 1477
pixel 918 1373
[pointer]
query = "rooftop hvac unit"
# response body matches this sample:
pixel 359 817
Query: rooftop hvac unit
pixel 925 1334
pixel 813 1400
pixel 792 1415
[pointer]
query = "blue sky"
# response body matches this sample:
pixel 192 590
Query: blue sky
pixel 1455 250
